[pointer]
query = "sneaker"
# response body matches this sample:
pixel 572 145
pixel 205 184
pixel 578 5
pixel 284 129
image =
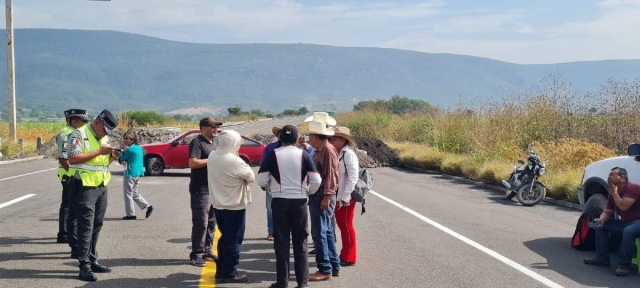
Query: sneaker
pixel 344 263
pixel 198 262
pixel 149 210
pixel 86 274
pixel 209 255
pixel 129 218
pixel 98 268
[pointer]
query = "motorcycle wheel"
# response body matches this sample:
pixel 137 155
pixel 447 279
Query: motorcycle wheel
pixel 530 196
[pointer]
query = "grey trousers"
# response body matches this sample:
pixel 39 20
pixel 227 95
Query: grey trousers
pixel 130 189
pixel 90 205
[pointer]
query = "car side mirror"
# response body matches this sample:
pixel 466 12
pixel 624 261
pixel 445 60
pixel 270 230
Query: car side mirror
pixel 174 143
pixel 634 149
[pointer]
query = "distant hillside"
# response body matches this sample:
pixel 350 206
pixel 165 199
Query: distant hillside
pixel 57 69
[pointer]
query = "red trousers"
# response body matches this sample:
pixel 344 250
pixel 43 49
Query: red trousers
pixel 344 219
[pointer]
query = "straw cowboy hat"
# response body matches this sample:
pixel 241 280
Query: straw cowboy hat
pixel 276 130
pixel 321 117
pixel 346 134
pixel 319 128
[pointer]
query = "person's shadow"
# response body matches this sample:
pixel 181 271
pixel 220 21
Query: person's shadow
pixel 567 261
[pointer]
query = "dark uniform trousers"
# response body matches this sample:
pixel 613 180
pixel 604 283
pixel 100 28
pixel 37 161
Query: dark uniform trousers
pixel 290 217
pixel 67 218
pixel 90 206
pixel 203 226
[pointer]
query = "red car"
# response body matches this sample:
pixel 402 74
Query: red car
pixel 174 154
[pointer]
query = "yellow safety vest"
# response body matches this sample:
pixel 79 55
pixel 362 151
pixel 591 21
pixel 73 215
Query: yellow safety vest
pixel 61 172
pixel 95 171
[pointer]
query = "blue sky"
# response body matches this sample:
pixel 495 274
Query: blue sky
pixel 525 32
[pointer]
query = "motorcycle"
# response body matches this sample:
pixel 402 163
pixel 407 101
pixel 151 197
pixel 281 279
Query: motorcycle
pixel 524 183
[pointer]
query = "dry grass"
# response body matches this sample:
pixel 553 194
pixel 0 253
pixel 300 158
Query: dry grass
pixel 484 141
pixel 28 132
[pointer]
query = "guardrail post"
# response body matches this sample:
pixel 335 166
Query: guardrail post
pixel 21 147
pixel 38 142
pixel 1 147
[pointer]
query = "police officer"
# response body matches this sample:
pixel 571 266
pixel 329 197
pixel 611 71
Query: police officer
pixel 75 118
pixel 90 154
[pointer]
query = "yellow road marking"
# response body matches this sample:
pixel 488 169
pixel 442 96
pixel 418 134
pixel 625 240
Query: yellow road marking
pixel 208 274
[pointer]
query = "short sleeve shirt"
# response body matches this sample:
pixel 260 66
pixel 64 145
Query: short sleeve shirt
pixel 631 190
pixel 200 148
pixel 62 142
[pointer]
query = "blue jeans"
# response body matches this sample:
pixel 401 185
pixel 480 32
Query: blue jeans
pixel 231 224
pixel 269 214
pixel 323 235
pixel 630 231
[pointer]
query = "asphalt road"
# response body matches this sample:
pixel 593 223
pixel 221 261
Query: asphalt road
pixel 419 231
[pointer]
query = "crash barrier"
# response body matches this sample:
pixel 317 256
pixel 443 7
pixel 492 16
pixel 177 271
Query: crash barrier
pixel 265 119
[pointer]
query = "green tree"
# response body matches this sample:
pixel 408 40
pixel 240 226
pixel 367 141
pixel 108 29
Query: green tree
pixel 303 110
pixel 234 110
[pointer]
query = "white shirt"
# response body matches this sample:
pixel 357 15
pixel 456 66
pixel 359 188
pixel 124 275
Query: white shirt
pixel 348 172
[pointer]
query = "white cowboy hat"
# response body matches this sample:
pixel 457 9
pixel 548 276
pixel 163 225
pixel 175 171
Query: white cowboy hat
pixel 321 117
pixel 345 133
pixel 319 128
pixel 276 131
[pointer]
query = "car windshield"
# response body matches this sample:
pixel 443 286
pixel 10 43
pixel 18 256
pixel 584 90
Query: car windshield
pixel 176 138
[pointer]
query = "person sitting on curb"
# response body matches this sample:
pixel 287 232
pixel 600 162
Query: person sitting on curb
pixel 623 196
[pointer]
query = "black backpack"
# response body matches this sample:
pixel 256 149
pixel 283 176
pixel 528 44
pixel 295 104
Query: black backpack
pixel 584 238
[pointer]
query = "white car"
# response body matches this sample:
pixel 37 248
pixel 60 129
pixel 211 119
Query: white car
pixel 593 194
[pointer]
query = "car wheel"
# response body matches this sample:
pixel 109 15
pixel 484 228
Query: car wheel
pixel 154 166
pixel 594 207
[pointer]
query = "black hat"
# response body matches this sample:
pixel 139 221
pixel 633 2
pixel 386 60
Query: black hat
pixel 289 134
pixel 208 121
pixel 110 122
pixel 82 114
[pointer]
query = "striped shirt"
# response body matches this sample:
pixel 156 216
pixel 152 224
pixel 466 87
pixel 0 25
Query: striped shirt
pixel 285 172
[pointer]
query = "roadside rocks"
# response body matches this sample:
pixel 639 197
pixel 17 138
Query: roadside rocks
pixel 371 152
pixel 145 136
pixel 381 154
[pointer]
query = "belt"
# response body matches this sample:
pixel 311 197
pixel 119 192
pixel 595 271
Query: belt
pixel 90 167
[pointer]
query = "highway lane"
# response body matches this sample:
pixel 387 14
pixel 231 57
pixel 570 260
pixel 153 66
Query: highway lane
pixel 396 248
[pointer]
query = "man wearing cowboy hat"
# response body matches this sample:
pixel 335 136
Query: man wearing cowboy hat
pixel 347 179
pixel 268 149
pixel 75 119
pixel 322 203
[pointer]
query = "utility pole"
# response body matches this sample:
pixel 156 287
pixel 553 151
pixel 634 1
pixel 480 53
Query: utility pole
pixel 11 70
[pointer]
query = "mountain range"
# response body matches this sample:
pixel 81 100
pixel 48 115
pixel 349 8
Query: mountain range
pixel 57 69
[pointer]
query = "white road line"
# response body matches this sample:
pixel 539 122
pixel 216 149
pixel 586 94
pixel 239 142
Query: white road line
pixel 474 244
pixel 27 174
pixel 5 204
